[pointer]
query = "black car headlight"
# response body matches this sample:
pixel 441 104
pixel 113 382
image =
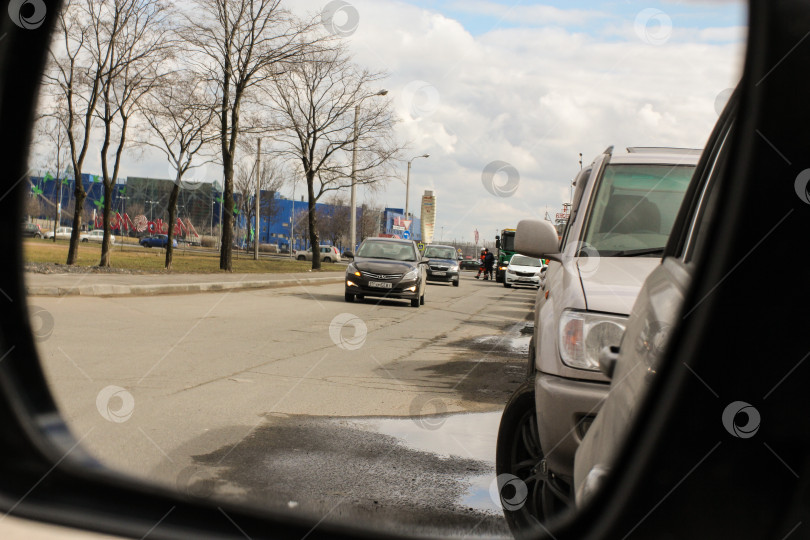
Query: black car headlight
pixel 352 270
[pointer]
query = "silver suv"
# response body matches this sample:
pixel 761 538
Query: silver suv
pixel 623 210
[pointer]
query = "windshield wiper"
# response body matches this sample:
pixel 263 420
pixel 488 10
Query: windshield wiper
pixel 638 252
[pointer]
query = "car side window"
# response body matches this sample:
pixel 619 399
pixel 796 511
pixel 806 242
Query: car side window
pixel 581 181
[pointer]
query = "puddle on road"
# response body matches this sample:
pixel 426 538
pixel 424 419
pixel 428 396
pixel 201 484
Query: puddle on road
pixel 515 341
pixel 466 435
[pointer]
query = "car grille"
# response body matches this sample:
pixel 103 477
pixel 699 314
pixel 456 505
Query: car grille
pixel 381 276
pixel 525 274
pixel 432 267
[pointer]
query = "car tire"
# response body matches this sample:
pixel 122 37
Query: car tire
pixel 85 241
pixel 302 258
pixel 455 283
pixel 327 260
pixel 349 297
pixel 507 285
pixel 415 302
pixel 422 300
pixel 519 454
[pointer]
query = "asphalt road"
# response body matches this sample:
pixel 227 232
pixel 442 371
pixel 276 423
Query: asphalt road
pixel 293 400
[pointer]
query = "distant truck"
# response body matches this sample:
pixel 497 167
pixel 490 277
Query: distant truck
pixel 505 245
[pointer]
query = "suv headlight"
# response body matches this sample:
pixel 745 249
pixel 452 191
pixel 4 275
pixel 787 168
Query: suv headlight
pixel 454 268
pixel 583 335
pixel 413 274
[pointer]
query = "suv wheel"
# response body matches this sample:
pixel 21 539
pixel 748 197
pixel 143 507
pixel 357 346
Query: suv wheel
pixel 349 297
pixel 301 258
pixel 533 495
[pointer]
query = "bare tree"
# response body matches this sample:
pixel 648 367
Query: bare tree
pixel 51 132
pixel 334 220
pixel 318 105
pixel 181 116
pixel 134 35
pixel 240 43
pixel 271 179
pixel 369 222
pixel 74 75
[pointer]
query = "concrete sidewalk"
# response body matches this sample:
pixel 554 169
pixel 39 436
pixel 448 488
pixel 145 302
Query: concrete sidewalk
pixel 93 284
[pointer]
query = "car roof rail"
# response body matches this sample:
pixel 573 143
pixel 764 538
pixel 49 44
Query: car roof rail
pixel 663 150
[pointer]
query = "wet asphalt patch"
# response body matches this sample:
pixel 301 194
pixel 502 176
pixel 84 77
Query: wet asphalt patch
pixel 351 473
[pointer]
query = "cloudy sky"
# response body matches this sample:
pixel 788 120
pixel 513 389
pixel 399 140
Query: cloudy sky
pixel 531 85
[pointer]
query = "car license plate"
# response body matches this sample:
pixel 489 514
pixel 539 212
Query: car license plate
pixel 380 284
pixel 439 273
pixel 524 279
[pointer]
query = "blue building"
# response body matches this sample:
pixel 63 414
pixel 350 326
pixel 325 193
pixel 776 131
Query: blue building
pixel 201 204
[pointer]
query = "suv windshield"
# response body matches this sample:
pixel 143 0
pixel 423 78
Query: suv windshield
pixel 635 207
pixel 440 252
pixel 387 250
pixel 523 260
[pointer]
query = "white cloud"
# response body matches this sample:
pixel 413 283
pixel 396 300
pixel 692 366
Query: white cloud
pixel 534 14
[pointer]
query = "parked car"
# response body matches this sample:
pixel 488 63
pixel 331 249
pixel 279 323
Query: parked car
pixel 96 235
pixel 523 270
pixel 328 254
pixel 442 264
pixel 633 366
pixel 62 233
pixel 623 210
pixel 31 230
pixel 388 268
pixel 468 263
pixel 157 240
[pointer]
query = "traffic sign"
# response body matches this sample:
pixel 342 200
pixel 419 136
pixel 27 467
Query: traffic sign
pixel 406 235
pixel 421 246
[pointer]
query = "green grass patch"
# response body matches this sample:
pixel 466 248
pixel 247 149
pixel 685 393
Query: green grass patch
pixel 185 260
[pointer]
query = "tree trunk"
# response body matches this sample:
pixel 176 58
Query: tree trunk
pixel 172 222
pixel 79 196
pixel 226 252
pixel 105 242
pixel 313 231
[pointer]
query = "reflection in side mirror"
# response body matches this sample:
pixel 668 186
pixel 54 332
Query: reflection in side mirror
pixel 537 238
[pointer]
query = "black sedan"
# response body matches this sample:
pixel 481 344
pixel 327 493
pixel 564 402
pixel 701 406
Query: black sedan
pixel 388 268
pixel 442 264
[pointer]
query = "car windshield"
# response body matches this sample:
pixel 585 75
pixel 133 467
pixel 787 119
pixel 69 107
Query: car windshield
pixel 522 260
pixel 436 252
pixel 635 207
pixel 387 250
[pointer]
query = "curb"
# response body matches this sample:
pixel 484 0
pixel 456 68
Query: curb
pixel 174 288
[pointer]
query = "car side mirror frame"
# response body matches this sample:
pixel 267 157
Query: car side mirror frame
pixel 537 238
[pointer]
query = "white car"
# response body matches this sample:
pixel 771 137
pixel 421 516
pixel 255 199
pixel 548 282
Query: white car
pixel 523 270
pixel 328 254
pixel 62 233
pixel 96 235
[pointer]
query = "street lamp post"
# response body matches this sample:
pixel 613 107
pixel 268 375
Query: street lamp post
pixel 408 183
pixel 353 217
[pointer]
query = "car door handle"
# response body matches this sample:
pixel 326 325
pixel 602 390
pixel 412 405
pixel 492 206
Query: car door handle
pixel 607 360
